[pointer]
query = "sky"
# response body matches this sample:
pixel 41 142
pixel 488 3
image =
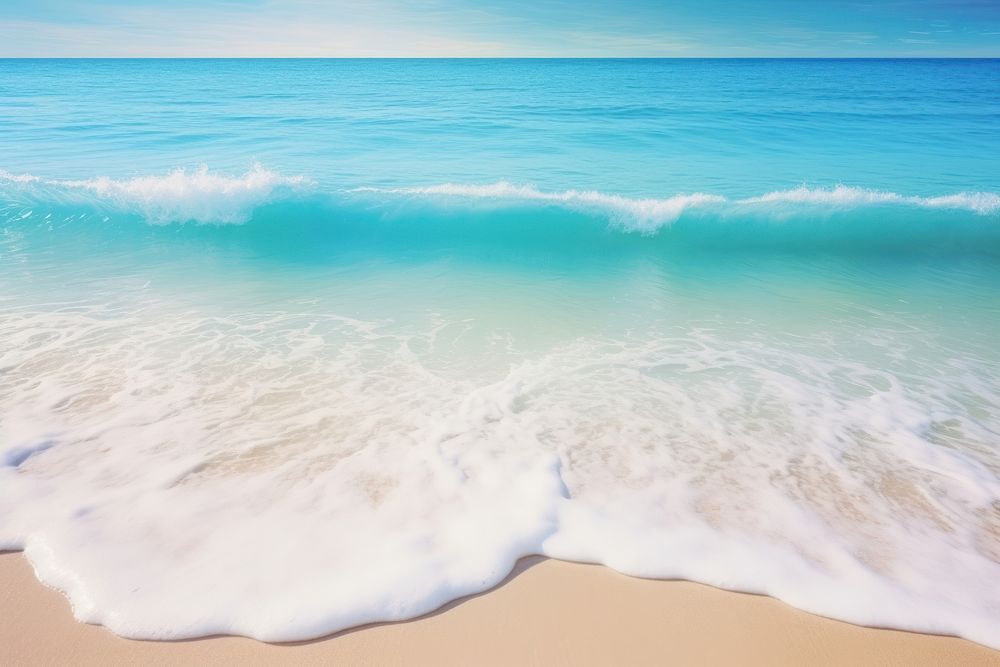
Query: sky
pixel 515 28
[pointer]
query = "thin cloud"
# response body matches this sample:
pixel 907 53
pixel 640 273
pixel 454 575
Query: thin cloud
pixel 399 28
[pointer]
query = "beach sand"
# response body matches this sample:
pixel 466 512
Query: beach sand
pixel 547 612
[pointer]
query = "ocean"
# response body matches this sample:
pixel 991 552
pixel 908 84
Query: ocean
pixel 289 346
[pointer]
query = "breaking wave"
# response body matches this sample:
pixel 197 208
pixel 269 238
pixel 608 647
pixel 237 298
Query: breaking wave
pixel 179 196
pixel 502 213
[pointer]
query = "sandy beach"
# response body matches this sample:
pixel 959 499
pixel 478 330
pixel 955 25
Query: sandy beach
pixel 547 612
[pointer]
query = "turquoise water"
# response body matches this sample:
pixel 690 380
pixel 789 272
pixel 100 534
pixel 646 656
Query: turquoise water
pixel 291 346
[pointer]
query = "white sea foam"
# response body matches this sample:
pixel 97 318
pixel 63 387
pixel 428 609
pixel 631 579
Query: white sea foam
pixel 983 203
pixel 181 195
pixel 641 214
pixel 647 214
pixel 287 474
pixel 18 178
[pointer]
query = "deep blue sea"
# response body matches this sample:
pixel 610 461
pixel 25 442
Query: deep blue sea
pixel 289 346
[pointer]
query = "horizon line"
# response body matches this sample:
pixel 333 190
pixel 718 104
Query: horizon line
pixel 992 57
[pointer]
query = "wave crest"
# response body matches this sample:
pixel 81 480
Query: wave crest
pixel 647 214
pixel 982 203
pixel 210 197
pixel 643 214
pixel 181 195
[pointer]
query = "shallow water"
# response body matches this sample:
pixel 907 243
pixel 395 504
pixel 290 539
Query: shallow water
pixel 731 321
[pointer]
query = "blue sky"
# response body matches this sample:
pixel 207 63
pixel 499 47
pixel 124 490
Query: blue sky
pixel 683 28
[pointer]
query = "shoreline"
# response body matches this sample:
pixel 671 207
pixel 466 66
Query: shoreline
pixel 544 612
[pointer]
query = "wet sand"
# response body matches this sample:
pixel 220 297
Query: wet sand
pixel 546 613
